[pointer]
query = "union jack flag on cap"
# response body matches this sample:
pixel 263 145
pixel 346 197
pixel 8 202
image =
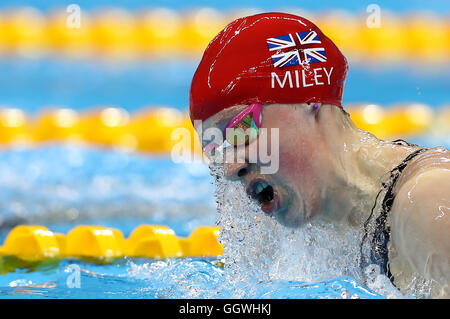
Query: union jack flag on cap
pixel 242 63
pixel 297 48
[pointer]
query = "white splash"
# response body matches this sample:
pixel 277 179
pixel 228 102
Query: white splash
pixel 257 248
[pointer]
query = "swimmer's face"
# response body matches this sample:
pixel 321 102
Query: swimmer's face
pixel 291 194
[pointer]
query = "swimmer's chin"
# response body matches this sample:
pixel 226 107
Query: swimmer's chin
pixel 276 201
pixel 291 212
pixel 289 217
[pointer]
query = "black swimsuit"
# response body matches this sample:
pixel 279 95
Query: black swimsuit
pixel 378 249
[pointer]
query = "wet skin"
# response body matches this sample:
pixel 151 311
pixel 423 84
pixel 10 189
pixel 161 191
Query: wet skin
pixel 326 165
pixel 420 222
pixel 297 184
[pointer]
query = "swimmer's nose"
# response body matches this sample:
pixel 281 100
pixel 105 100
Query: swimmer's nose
pixel 236 171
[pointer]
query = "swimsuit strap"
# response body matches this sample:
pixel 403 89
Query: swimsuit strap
pixel 381 236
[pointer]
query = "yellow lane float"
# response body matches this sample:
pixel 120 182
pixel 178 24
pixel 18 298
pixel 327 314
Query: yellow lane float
pixel 106 126
pixel 94 241
pixel 152 128
pixel 113 33
pixel 68 38
pixel 37 243
pixel 153 242
pixel 57 124
pixel 22 31
pixel 31 243
pixel 14 126
pixel 397 121
pixel 119 33
pixel 427 37
pixel 158 31
pixel 383 42
pixel 345 35
pixel 199 28
pixel 165 130
pixel 204 241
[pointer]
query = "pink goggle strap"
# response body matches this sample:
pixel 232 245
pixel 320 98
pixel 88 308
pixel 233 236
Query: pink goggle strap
pixel 254 108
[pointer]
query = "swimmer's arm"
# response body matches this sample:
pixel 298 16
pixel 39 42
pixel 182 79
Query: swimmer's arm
pixel 420 225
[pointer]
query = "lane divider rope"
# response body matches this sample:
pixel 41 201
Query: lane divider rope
pixel 163 32
pixel 150 129
pixel 32 243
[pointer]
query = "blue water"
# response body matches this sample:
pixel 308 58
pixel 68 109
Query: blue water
pixel 401 6
pixel 181 278
pixel 32 84
pixel 64 186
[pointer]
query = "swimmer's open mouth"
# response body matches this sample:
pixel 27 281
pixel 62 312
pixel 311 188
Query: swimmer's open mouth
pixel 264 194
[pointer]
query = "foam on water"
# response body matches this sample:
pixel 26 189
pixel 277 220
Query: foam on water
pixel 263 259
pixel 259 249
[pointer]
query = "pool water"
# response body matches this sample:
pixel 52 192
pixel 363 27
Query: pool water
pixel 183 278
pixel 62 186
pixel 84 84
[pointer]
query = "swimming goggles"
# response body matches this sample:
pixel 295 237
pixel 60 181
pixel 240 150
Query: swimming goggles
pixel 242 130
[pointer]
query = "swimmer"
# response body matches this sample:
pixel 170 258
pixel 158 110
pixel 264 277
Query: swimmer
pixel 277 70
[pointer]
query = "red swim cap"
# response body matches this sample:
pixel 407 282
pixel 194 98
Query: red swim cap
pixel 267 58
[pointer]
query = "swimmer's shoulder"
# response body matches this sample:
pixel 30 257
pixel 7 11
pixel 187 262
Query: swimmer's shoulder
pixel 436 158
pixel 423 188
pixel 420 218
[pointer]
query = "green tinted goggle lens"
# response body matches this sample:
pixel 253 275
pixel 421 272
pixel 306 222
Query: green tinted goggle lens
pixel 243 132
